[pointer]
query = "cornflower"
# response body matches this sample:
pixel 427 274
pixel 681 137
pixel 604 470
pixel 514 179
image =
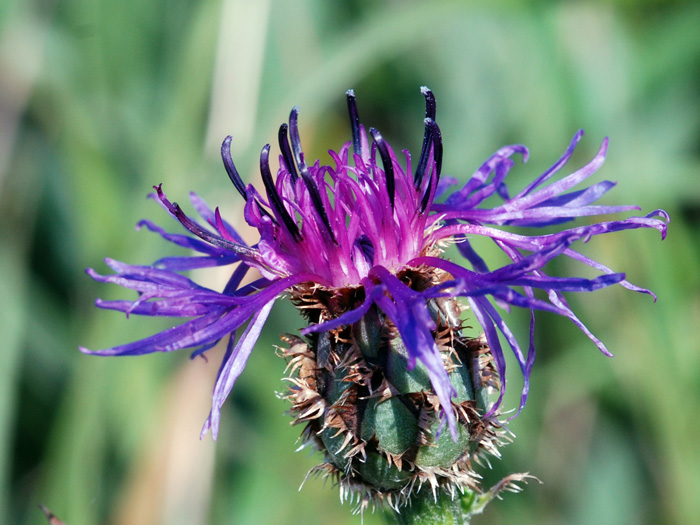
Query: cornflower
pixel 358 246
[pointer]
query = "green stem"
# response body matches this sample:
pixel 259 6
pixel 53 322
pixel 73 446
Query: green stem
pixel 424 509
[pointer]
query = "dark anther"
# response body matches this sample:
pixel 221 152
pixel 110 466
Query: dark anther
pixel 294 137
pixel 437 144
pixel 317 201
pixel 386 162
pixel 304 171
pixel 366 247
pixel 423 162
pixel 354 122
pixel 436 137
pixel 274 196
pixel 430 109
pixel 287 152
pixel 231 168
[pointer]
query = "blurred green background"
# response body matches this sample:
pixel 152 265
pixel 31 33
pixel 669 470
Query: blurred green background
pixel 101 100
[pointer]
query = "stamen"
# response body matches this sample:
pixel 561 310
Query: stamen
pixel 437 144
pixel 231 168
pixel 234 176
pixel 294 138
pixel 366 247
pixel 304 171
pixel 274 196
pixel 430 109
pixel 433 130
pixel 317 201
pixel 354 122
pixel 386 162
pixel 287 152
pixel 423 161
pixel 430 106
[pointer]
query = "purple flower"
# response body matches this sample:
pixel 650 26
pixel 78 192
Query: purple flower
pixel 359 228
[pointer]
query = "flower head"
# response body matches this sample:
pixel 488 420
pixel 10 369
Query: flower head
pixel 365 237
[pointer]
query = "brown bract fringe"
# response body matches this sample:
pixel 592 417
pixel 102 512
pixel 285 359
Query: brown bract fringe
pixel 332 383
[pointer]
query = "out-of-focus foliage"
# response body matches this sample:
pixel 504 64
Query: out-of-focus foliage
pixel 101 100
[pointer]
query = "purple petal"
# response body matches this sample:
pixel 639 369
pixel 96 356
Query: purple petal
pixel 206 213
pixel 232 366
pixel 555 167
pixel 185 241
pixel 409 312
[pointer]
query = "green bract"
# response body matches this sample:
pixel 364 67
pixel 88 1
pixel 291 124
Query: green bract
pixel 378 421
